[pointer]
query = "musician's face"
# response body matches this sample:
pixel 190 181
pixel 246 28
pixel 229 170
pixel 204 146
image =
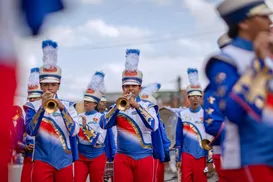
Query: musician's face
pixel 51 87
pixel 102 105
pixel 253 26
pixel 89 106
pixel 134 89
pixel 195 100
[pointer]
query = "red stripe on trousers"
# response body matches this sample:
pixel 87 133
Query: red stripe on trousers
pixel 27 169
pixel 7 92
pixel 193 169
pixel 44 172
pixel 130 170
pixel 94 167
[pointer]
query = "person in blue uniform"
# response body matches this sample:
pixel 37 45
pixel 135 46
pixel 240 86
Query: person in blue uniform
pixel 55 129
pixel 190 132
pixel 214 123
pixel 239 82
pixel 161 143
pixel 134 158
pixel 94 143
pixel 27 143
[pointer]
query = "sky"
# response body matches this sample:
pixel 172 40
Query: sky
pixel 93 35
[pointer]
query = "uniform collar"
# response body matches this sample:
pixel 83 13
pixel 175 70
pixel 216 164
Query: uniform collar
pixel 195 110
pixel 91 112
pixel 243 43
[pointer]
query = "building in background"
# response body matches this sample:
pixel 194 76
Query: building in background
pixel 164 98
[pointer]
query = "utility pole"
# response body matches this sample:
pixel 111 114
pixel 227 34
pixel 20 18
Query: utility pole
pixel 179 83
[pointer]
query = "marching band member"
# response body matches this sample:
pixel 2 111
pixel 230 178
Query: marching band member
pixel 135 122
pixel 101 107
pixel 53 122
pixel 190 131
pixel 27 144
pixel 236 78
pixel 17 131
pixel 214 123
pixel 161 143
pixel 94 143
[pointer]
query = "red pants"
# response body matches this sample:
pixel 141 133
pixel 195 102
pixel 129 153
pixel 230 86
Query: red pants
pixel 257 173
pixel 94 167
pixel 130 170
pixel 159 168
pixel 193 169
pixel 27 169
pixel 45 172
pixel 220 172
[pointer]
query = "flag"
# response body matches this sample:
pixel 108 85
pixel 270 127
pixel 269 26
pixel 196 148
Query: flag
pixel 34 13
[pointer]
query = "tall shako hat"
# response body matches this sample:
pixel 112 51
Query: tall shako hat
pixel 131 75
pixel 96 88
pixel 194 88
pixel 50 72
pixel 34 90
pixel 148 92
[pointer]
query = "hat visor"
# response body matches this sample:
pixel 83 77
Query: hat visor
pixel 34 96
pixel 261 10
pixel 89 99
pixel 193 93
pixel 50 80
pixel 103 100
pixel 130 83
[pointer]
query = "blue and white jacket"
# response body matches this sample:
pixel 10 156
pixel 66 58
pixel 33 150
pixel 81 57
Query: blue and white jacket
pixel 232 73
pixel 189 133
pixel 55 134
pixel 93 141
pixel 134 127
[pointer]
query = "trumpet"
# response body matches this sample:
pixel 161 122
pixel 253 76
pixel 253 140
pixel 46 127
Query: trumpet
pixel 16 117
pixel 206 144
pixel 18 113
pixel 51 106
pixel 123 102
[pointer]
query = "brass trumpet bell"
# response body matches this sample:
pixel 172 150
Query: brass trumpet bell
pixel 122 103
pixel 51 106
pixel 206 144
pixel 17 113
pixel 16 117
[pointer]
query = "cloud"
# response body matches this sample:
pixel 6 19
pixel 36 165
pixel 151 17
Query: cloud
pixel 92 1
pixel 99 27
pixel 97 33
pixel 162 2
pixel 204 12
pixel 201 48
pixel 69 36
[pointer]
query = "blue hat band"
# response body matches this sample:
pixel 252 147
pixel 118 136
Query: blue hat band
pixel 194 91
pixel 93 97
pixel 36 91
pixel 132 78
pixel 55 76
